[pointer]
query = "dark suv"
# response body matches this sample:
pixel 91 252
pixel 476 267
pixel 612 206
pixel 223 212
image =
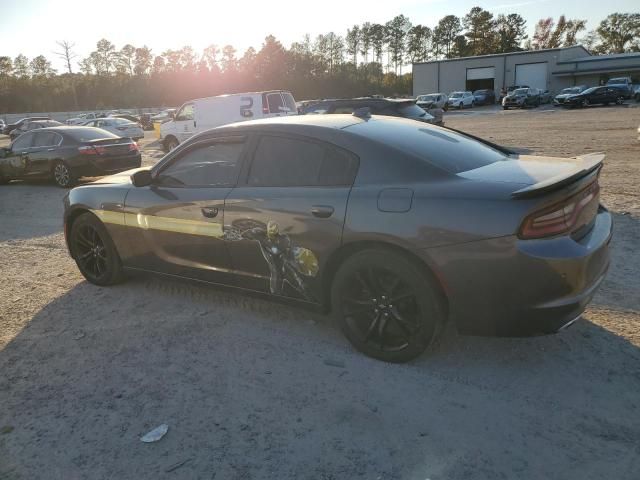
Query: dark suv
pixel 521 98
pixel 406 108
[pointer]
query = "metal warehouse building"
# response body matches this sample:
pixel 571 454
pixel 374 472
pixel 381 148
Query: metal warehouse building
pixel 551 69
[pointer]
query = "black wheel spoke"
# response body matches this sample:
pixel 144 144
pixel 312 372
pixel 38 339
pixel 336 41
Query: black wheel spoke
pixel 85 255
pixel 356 306
pixel 404 324
pixel 372 327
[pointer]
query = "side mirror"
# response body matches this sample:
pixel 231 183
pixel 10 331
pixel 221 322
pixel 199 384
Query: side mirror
pixel 142 178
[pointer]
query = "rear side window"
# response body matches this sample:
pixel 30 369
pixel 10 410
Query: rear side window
pixel 46 139
pixel 214 165
pixel 88 134
pixel 289 162
pixel 274 100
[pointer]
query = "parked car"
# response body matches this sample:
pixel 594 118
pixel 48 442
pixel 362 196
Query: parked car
pixel 623 84
pixel 164 115
pixel 636 92
pixel 460 100
pixel 118 126
pixel 204 113
pixel 83 118
pixel 67 153
pixel 2 125
pixel 12 126
pixel 432 100
pixel 595 96
pixel 567 92
pixel 393 107
pixel 126 116
pixel 484 97
pixel 32 125
pixel 395 226
pixel 521 98
pixel 545 96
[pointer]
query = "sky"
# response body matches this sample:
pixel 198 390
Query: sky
pixel 32 27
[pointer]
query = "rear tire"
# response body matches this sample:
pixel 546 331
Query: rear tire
pixel 619 100
pixel 460 106
pixel 94 252
pixel 62 175
pixel 385 305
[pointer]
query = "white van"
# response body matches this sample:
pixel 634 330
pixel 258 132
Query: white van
pixel 202 114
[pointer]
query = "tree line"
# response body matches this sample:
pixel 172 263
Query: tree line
pixel 368 59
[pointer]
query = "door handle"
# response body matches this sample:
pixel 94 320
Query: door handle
pixel 322 211
pixel 194 124
pixel 209 212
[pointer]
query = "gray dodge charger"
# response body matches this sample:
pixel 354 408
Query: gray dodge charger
pixel 395 226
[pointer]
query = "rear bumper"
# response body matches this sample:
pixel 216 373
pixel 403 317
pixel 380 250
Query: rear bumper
pixel 512 287
pixel 99 167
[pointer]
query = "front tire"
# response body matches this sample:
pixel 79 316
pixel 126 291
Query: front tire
pixel 460 106
pixel 94 252
pixel 619 100
pixel 585 103
pixel 386 307
pixel 170 143
pixel 62 175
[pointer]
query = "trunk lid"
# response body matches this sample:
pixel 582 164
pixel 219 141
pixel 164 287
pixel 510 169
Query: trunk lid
pixel 110 147
pixel 536 175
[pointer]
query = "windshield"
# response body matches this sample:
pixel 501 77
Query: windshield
pixel 121 121
pixel 571 90
pixel 520 91
pixel 591 90
pixel 455 95
pixel 88 134
pixel 616 81
pixel 427 98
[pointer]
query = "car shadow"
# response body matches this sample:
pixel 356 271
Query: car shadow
pixel 255 389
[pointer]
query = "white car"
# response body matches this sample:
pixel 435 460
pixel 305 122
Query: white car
pixel 461 100
pixel 202 114
pixel 82 118
pixel 118 126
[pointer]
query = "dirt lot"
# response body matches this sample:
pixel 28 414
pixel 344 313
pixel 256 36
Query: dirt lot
pixel 253 390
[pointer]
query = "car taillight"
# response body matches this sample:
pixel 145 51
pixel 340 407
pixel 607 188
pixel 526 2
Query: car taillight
pixel 133 147
pixel 561 217
pixel 87 150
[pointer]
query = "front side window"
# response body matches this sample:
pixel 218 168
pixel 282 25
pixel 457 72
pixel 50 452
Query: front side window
pixel 215 165
pixel 274 101
pixel 22 142
pixel 185 113
pixel 289 102
pixel 288 162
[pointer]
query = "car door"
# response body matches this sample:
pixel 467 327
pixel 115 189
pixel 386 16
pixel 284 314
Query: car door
pixel 17 162
pixel 184 122
pixel 43 151
pixel 175 224
pixel 287 214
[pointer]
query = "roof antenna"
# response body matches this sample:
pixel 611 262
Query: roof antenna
pixel 363 112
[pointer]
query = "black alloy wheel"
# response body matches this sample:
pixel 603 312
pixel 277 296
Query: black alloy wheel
pixel 386 307
pixel 619 100
pixel 94 252
pixel 62 175
pixel 170 144
pixel 585 102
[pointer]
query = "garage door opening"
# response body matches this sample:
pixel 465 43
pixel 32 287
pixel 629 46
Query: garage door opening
pixel 480 78
pixel 532 75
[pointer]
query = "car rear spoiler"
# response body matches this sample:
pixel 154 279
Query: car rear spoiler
pixel 588 164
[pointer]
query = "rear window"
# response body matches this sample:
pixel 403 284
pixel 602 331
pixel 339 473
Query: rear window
pixel 448 150
pixel 88 134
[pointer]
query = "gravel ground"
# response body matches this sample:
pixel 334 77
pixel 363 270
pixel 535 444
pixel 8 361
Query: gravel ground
pixel 252 389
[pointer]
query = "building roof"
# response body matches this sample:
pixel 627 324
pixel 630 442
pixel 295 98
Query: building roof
pixel 524 52
pixel 600 58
